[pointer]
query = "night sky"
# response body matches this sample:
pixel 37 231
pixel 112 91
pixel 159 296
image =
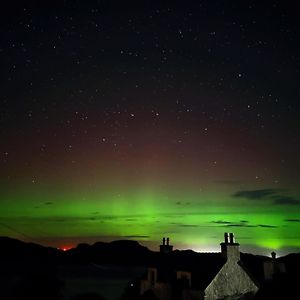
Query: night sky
pixel 150 119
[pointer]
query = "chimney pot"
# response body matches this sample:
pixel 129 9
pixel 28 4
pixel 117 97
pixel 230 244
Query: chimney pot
pixel 231 238
pixel 226 237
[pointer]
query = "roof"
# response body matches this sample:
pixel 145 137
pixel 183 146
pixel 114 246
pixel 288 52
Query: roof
pixel 203 267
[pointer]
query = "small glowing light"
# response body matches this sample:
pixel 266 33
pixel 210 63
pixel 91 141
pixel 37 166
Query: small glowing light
pixel 65 248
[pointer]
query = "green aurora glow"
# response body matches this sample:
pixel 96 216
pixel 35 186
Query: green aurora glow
pixel 195 220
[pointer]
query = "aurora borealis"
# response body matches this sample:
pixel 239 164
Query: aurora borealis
pixel 143 120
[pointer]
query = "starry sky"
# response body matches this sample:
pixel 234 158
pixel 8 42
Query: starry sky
pixel 150 119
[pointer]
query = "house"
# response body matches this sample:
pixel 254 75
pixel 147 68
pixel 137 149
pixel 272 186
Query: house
pixel 186 275
pixel 233 280
pixel 273 267
pixel 166 247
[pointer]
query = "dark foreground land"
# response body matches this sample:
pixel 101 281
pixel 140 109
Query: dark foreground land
pixel 111 271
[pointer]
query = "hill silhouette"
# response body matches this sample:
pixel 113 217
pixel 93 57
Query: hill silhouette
pixel 28 265
pixel 13 249
pixel 122 252
pixel 116 252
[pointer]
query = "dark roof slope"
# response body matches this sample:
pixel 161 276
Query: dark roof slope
pixel 204 267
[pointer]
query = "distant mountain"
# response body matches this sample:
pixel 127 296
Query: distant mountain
pixel 126 252
pixel 116 252
pixel 13 249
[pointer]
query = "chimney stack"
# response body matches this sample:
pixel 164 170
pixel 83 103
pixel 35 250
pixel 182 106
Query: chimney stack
pixel 165 247
pixel 273 255
pixel 230 249
pixel 226 237
pixel 231 238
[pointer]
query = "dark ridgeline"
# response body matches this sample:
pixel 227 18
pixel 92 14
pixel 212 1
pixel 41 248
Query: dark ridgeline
pixel 116 252
pixel 31 270
pixel 22 251
pixel 28 271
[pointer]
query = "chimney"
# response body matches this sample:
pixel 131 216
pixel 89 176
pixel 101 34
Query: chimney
pixel 226 237
pixel 166 247
pixel 230 250
pixel 231 238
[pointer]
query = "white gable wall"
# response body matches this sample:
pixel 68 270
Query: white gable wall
pixel 232 281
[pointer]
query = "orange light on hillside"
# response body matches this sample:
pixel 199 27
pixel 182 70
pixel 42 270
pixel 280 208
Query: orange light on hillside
pixel 65 248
